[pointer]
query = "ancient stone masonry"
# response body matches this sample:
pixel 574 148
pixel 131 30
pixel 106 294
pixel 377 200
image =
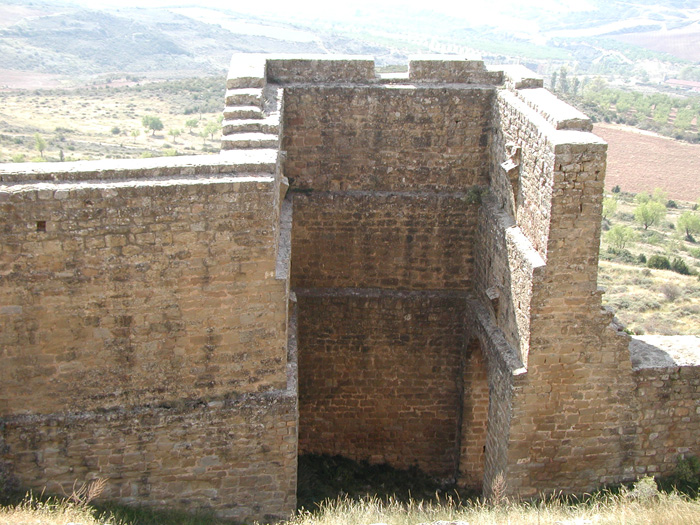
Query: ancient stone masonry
pixel 426 243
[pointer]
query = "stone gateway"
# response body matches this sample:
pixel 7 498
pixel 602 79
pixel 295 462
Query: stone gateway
pixel 396 268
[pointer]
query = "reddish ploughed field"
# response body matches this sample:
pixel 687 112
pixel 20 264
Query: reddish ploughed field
pixel 640 161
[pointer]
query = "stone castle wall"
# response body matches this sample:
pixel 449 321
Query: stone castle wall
pixel 385 178
pixel 145 333
pixel 433 266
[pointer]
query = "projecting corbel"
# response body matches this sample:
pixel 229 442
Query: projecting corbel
pixel 494 295
pixel 511 168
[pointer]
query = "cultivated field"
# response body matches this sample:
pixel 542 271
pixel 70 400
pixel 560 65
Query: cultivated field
pixel 642 161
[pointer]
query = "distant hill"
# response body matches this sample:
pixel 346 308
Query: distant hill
pixel 63 40
pixel 68 40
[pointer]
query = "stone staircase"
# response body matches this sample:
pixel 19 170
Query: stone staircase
pixel 251 116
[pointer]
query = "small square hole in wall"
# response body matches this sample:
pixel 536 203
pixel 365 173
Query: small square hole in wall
pixel 41 226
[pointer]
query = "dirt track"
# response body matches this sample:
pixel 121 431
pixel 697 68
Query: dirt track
pixel 639 161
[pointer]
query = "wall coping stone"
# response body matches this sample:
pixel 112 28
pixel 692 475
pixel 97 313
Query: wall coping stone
pixel 518 76
pixel 557 112
pixel 139 183
pixel 559 138
pixel 238 161
pixel 664 351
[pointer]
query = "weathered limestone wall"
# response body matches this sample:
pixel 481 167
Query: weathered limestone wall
pixel 145 332
pixel 475 417
pixel 666 373
pixel 571 420
pixel 236 455
pixel 379 376
pixel 386 181
pixel 393 241
pixel 669 417
pixel 386 138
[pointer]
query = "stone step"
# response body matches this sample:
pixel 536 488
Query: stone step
pixel 267 125
pixel 245 82
pixel 252 160
pixel 249 141
pixel 243 112
pixel 244 97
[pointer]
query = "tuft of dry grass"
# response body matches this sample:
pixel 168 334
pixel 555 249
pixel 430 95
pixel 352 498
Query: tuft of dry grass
pixel 658 509
pixel 54 511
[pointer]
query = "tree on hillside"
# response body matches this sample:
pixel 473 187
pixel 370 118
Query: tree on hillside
pixel 618 236
pixel 191 123
pixel 642 197
pixel 563 80
pixel 135 133
pixel 553 82
pixel 152 123
pixel 649 213
pixel 660 196
pixel 575 85
pixel 689 223
pixel 211 128
pixel 175 133
pixel 609 207
pixel 39 144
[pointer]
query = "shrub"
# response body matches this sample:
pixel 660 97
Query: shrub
pixel 616 189
pixel 618 236
pixel 659 262
pixel 609 207
pixel 671 204
pixel 671 291
pixel 644 490
pixel 678 265
pixel 641 258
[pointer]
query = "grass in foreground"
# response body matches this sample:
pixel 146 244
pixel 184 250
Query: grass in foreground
pixel 659 509
pixel 627 507
pixel 53 511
